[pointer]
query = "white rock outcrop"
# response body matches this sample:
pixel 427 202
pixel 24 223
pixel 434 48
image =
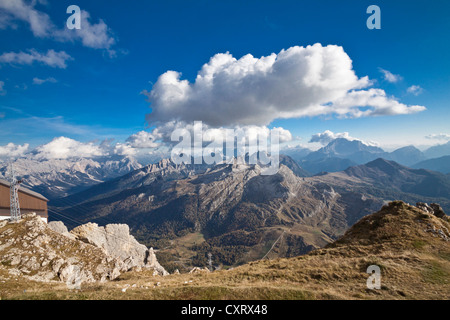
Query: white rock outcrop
pixel 31 249
pixel 41 252
pixel 117 242
pixel 58 226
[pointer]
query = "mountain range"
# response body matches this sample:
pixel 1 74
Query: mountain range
pixel 56 178
pixel 441 164
pixel 438 151
pixel 341 153
pixel 232 210
pixel 238 214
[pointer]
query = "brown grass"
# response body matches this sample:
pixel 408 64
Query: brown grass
pixel 414 265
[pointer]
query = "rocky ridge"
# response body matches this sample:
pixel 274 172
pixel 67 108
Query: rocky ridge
pixel 49 253
pixel 56 178
pixel 398 224
pixel 115 240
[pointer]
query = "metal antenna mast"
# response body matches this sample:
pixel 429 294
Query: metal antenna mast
pixel 14 194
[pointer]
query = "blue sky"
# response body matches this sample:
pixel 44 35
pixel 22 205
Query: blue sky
pixel 95 94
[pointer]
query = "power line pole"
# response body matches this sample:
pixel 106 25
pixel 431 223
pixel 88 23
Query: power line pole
pixel 210 261
pixel 14 194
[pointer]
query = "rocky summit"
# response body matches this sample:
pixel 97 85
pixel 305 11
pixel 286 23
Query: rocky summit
pixel 36 251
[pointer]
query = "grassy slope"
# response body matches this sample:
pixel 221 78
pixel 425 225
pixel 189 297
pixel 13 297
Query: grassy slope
pixel 415 264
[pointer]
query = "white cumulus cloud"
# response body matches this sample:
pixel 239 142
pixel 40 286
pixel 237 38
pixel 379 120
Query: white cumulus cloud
pixel 327 136
pixel 161 135
pixel 11 151
pixel 123 149
pixel 143 139
pixel 297 82
pixel 65 148
pixel 371 102
pixel 159 139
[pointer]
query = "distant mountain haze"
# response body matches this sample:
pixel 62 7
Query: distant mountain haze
pixel 441 164
pixel 438 151
pixel 342 153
